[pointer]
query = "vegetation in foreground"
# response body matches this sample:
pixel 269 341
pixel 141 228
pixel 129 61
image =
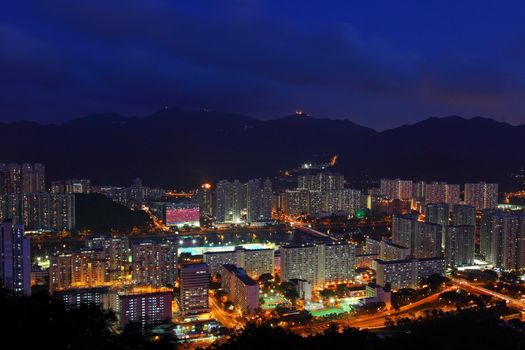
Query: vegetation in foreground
pixel 41 322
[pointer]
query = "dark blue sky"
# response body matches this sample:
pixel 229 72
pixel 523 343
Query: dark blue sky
pixel 378 63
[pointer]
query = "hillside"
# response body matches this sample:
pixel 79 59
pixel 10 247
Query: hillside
pixel 176 148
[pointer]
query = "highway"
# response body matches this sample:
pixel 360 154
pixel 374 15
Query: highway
pixel 476 289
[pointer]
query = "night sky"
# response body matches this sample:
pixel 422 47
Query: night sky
pixel 378 63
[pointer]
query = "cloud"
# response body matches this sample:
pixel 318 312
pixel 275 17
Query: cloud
pixel 238 55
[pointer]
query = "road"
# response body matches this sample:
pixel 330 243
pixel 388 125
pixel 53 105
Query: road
pixel 373 321
pixel 476 289
pixel 225 318
pixel 312 232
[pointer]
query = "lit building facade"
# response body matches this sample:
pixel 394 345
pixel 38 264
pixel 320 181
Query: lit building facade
pixel 463 215
pixel 15 259
pixel 460 245
pixel 154 264
pixel 481 195
pixel 147 307
pixel 318 263
pixel 194 287
pixel 243 291
pixel 406 273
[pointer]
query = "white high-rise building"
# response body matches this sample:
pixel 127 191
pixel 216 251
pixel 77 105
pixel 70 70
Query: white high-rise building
pixel 318 263
pixel 406 273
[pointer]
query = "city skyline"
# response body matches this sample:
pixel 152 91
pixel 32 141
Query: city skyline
pixel 260 174
pixel 211 261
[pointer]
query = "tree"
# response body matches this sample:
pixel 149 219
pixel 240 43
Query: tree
pixel 265 277
pixel 436 281
pixel 228 305
pixel 289 291
pixel 220 295
pixel 327 293
pixel 341 290
pixel 292 295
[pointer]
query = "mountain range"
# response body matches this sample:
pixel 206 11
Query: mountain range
pixel 174 148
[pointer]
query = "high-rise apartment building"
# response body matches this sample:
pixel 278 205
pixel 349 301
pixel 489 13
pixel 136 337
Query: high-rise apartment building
pixel 302 262
pixel 507 240
pixel 406 273
pixel 254 261
pixel 418 190
pixel 391 251
pixel 22 178
pixel 339 262
pixel 437 213
pixel 427 240
pixel 242 290
pixel 322 181
pixel 463 215
pixel 39 211
pixel 485 232
pixel 15 259
pixel 346 201
pixel 118 253
pixel 397 189
pixel 302 201
pixel 258 200
pixel 154 264
pixel 71 186
pixel 14 178
pixel 441 192
pixel 422 238
pixel 62 211
pixel 194 287
pixel 60 272
pixel 403 227
pixel 481 195
pixel 318 263
pixel 33 178
pixel 205 200
pixel 230 201
pixel 89 268
pixel 235 201
pixel 460 245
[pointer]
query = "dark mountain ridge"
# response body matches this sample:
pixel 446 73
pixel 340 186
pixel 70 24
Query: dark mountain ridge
pixel 181 149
